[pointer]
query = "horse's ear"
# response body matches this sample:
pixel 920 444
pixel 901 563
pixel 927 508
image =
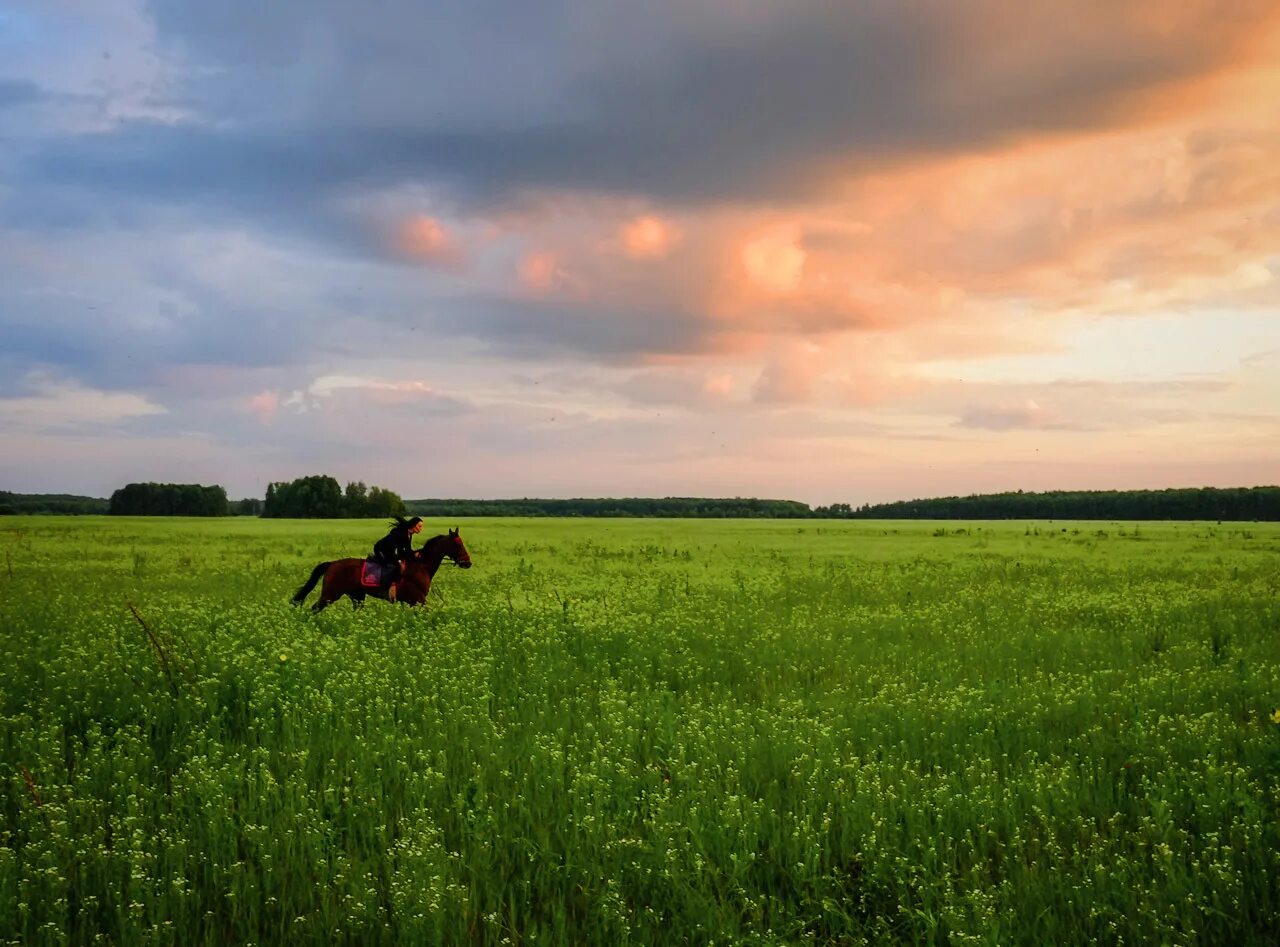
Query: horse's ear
pixel 453 532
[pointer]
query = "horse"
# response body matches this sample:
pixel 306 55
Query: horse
pixel 342 576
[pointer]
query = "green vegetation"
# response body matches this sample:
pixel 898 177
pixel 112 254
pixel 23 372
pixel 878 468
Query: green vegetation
pixel 169 499
pixel 61 503
pixel 643 731
pixel 702 507
pixel 1206 503
pixel 247 507
pixel 320 497
pixel 1200 503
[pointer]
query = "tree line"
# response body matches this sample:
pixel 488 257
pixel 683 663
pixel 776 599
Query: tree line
pixel 1195 503
pixel 701 507
pixel 320 497
pixel 306 497
pixel 57 503
pixel 1191 503
pixel 168 499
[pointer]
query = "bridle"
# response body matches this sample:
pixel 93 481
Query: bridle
pixel 450 552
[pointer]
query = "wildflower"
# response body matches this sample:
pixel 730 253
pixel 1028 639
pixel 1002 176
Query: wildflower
pixel 1275 716
pixel 284 657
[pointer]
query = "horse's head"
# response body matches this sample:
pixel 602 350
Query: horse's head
pixel 456 550
pixel 450 547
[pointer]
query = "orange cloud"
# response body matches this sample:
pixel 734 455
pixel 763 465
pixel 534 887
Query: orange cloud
pixel 719 385
pixel 949 255
pixel 542 272
pixel 774 261
pixel 647 237
pixel 424 238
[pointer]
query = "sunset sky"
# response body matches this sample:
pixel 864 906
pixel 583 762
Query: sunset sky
pixel 837 251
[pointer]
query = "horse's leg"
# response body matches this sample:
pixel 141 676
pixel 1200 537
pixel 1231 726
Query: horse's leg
pixel 326 594
pixel 357 599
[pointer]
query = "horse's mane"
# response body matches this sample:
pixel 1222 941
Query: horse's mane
pixel 429 542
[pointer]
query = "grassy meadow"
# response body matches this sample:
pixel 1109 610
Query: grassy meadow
pixel 643 731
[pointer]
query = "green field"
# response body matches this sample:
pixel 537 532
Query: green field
pixel 643 731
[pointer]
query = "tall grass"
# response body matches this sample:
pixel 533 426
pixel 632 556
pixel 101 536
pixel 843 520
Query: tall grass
pixel 643 732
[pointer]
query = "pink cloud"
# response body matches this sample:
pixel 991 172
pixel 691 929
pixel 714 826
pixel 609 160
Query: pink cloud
pixel 264 406
pixel 543 272
pixel 789 376
pixel 647 237
pixel 954 254
pixel 684 387
pixel 1006 416
pixel 425 238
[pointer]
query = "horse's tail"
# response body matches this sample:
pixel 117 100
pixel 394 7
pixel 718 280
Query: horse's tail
pixel 316 573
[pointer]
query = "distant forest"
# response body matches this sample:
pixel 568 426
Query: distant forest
pixel 697 507
pixel 1194 503
pixel 60 503
pixel 134 499
pixel 321 496
pixel 169 499
pixel 1197 503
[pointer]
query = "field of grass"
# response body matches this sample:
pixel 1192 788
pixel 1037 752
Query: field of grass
pixel 643 732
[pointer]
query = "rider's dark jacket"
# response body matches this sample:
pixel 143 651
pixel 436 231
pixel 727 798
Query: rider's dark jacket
pixel 396 545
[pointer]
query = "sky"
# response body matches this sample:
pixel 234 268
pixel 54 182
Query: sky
pixel 825 251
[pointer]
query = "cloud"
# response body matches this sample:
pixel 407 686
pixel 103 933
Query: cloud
pixel 788 377
pixel 127 308
pixel 416 397
pixel 774 262
pixel 647 237
pixel 55 404
pixel 833 169
pixel 542 272
pixel 835 213
pixel 425 239
pixel 1004 417
pixel 686 388
pixel 92 66
pixel 15 92
pixel 265 405
pixel 683 102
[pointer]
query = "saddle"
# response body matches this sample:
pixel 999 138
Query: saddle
pixel 375 575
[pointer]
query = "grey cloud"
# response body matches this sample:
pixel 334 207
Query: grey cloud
pixel 15 92
pixel 118 179
pixel 1007 417
pixel 104 348
pixel 682 388
pixel 489 98
pixel 1079 405
pixel 525 328
pixel 133 308
pixel 293 107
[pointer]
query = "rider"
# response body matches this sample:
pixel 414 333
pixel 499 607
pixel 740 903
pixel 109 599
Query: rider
pixel 396 546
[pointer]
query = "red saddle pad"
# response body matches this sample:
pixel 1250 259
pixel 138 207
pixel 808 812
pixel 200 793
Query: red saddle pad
pixel 371 574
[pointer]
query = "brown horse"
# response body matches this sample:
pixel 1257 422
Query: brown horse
pixel 342 576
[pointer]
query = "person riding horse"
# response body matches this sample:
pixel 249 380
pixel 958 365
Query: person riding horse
pixel 395 547
pixel 348 576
